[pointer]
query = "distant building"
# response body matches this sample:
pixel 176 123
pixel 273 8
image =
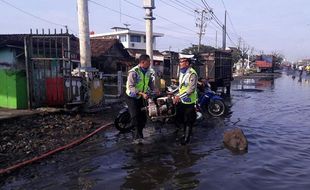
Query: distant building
pixel 135 43
pixel 34 69
pixel 12 51
pixel 304 62
pixel 131 39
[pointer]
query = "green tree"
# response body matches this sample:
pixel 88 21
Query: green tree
pixel 235 54
pixel 278 57
pixel 194 49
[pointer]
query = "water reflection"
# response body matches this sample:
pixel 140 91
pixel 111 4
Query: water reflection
pixel 253 84
pixel 155 166
pixel 301 77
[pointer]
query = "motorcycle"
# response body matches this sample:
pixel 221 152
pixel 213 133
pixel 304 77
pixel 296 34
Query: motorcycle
pixel 157 108
pixel 210 102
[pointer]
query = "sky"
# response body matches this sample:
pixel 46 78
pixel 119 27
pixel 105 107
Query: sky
pixel 281 26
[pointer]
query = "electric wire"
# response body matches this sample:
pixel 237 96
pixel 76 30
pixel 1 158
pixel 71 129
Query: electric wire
pixel 217 20
pixel 113 10
pixel 193 3
pixel 165 2
pixel 184 6
pixel 156 15
pixel 116 11
pixel 224 5
pixel 35 16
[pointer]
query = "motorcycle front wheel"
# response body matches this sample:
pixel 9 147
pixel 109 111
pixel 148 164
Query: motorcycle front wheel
pixel 122 122
pixel 216 108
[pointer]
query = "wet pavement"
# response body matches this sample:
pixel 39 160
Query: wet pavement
pixel 273 113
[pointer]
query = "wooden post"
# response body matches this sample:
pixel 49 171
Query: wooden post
pixel 27 73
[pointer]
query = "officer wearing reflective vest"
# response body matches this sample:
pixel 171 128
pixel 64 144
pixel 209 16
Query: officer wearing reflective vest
pixel 186 98
pixel 140 79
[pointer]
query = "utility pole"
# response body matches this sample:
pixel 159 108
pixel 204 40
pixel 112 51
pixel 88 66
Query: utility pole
pixel 201 24
pixel 85 52
pixel 149 5
pixel 224 32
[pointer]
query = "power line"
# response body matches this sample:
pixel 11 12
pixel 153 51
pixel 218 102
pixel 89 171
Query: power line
pixel 133 4
pixel 165 2
pixel 183 5
pixel 188 29
pixel 216 18
pixel 231 40
pixel 175 23
pixel 193 3
pixel 224 5
pixel 32 15
pixel 116 11
pixel 234 29
pixel 212 13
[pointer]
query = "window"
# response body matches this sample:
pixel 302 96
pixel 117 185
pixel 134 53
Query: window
pixel 135 38
pixel 123 38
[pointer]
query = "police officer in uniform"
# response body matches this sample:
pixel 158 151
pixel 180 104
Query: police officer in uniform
pixel 140 79
pixel 186 98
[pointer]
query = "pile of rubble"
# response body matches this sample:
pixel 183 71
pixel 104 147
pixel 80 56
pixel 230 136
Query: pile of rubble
pixel 27 137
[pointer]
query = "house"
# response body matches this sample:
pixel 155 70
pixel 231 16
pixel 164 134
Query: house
pixel 110 56
pixel 131 39
pixel 135 43
pixel 12 51
pixel 34 69
pixel 13 82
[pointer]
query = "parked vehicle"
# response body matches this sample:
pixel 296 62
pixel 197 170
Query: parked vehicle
pixel 157 109
pixel 211 103
pixel 216 66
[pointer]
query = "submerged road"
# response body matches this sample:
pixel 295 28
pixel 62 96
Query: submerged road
pixel 273 113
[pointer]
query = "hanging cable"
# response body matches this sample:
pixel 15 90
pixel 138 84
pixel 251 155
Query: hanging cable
pixel 116 11
pixel 156 15
pixel 165 2
pixel 34 16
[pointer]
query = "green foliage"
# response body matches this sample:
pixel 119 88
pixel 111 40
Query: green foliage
pixel 236 55
pixel 194 49
pixel 278 58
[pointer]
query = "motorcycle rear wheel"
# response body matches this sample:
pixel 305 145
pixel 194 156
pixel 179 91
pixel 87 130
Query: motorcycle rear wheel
pixel 216 108
pixel 122 122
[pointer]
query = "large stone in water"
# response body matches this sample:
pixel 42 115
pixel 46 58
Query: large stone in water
pixel 236 140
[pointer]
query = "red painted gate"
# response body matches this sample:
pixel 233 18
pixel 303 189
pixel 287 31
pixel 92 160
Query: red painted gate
pixel 55 91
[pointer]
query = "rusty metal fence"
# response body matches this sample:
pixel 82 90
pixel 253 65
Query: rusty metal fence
pixel 50 59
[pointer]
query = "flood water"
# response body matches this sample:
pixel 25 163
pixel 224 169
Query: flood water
pixel 273 113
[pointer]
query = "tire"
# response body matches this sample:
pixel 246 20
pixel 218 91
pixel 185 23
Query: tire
pixel 216 108
pixel 122 122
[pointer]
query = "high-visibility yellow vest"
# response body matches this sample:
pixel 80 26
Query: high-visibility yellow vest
pixel 184 80
pixel 142 80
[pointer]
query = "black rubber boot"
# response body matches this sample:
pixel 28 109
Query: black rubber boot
pixel 177 132
pixel 138 134
pixel 138 137
pixel 187 135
